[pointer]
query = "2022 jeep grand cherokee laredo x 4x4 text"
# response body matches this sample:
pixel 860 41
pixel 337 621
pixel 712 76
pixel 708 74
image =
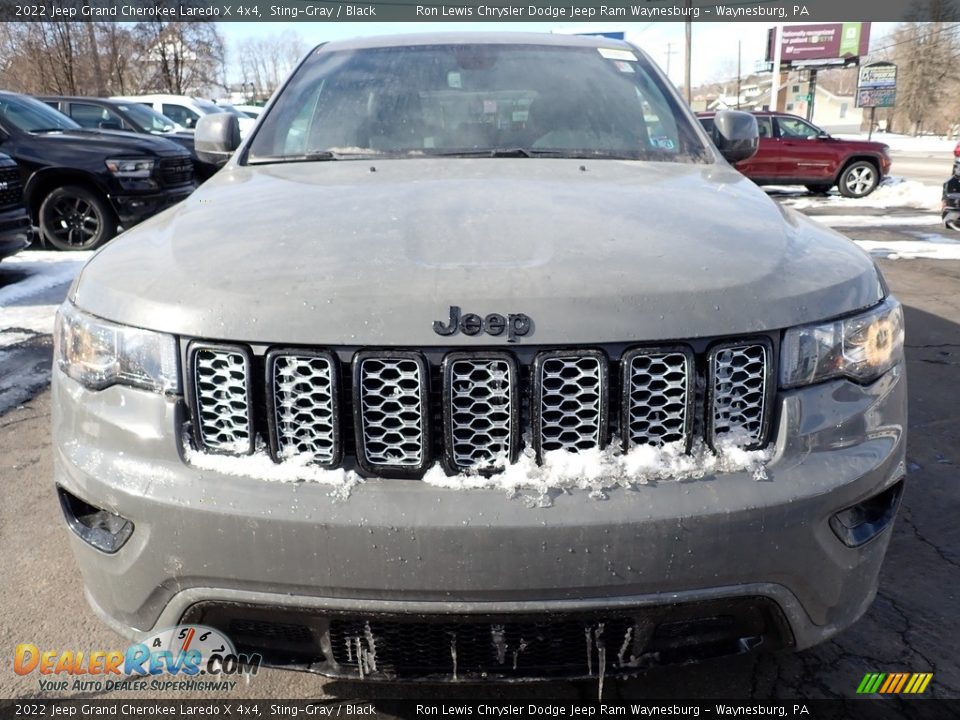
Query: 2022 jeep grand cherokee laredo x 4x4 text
pixel 500 278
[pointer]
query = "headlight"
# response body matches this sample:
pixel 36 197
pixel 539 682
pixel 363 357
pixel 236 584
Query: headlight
pixel 98 354
pixel 131 167
pixel 861 348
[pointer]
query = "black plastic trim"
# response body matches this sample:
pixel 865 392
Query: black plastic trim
pixel 103 540
pixel 515 401
pixel 626 361
pixel 770 389
pixel 394 470
pixel 271 358
pixel 191 390
pixel 536 395
pixel 879 511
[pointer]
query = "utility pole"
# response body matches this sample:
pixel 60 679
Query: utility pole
pixel 670 52
pixel 687 36
pixel 812 92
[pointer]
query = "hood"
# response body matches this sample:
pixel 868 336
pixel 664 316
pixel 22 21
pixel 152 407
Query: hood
pixel 373 252
pixel 111 141
pixel 868 146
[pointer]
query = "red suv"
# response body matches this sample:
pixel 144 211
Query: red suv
pixel 795 152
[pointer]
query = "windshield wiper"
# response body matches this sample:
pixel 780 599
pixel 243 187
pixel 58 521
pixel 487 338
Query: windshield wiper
pixel 312 156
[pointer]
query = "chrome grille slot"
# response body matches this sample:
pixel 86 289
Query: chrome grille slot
pixel 570 400
pixel 391 406
pixel 304 412
pixel 658 389
pixel 221 387
pixel 739 385
pixel 480 409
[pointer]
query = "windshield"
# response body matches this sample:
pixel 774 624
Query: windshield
pixel 147 119
pixel 476 99
pixel 29 115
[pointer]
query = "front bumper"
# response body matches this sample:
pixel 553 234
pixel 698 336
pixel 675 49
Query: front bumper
pixel 15 231
pixel 134 208
pixel 401 548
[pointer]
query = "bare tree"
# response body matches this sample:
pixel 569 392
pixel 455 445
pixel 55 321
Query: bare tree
pixel 266 61
pixel 180 57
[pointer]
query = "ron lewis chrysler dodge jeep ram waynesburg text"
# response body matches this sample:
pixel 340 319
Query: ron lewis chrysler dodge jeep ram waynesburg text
pixel 478 360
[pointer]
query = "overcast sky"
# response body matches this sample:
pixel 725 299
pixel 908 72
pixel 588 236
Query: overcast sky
pixel 714 44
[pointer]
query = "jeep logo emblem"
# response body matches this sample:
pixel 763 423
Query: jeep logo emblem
pixel 516 325
pixel 3 185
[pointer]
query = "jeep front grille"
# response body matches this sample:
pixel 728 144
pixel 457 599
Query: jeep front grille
pixel 570 398
pixel 740 376
pixel 221 381
pixel 658 394
pixel 481 409
pixel 304 405
pixel 394 412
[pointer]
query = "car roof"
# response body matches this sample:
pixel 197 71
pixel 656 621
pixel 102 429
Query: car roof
pixel 79 98
pixel 475 38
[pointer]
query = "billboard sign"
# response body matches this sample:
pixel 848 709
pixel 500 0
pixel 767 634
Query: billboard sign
pixel 877 85
pixel 824 41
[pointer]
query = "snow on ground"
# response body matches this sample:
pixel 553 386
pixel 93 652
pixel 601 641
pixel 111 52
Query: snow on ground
pixel 929 246
pixel 32 284
pixel 908 143
pixel 894 192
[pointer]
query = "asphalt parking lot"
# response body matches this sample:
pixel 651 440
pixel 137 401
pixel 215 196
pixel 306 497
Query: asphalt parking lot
pixel 911 627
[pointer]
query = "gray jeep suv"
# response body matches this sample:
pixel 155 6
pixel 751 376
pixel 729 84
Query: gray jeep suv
pixel 478 360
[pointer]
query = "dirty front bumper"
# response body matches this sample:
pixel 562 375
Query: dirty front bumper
pixel 235 550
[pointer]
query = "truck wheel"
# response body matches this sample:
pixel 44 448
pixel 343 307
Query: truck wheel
pixel 821 189
pixel 74 218
pixel 858 179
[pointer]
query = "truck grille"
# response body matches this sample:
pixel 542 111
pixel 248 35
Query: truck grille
pixel 176 171
pixel 11 189
pixel 395 413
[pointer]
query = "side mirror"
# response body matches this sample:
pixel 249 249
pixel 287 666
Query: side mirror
pixel 736 135
pixel 110 125
pixel 190 122
pixel 216 138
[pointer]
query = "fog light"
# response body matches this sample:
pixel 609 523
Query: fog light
pixel 864 521
pixel 101 528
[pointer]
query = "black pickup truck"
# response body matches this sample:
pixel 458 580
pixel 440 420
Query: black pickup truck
pixel 79 184
pixel 15 226
pixel 108 114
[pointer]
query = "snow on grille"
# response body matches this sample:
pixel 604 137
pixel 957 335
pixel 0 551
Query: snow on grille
pixel 223 406
pixel 391 414
pixel 481 411
pixel 739 376
pixel 570 402
pixel 304 407
pixel 657 394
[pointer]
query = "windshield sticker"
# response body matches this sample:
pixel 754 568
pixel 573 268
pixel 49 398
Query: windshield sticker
pixel 623 66
pixel 454 80
pixel 614 54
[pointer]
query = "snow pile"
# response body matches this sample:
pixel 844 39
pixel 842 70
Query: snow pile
pixel 599 470
pixel 261 466
pixel 893 192
pixel 594 470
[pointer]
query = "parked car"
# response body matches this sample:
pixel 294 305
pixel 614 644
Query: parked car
pixel 80 184
pixel 15 228
pixel 950 202
pixel 794 151
pixel 507 279
pixel 185 110
pixel 108 114
pixel 253 111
